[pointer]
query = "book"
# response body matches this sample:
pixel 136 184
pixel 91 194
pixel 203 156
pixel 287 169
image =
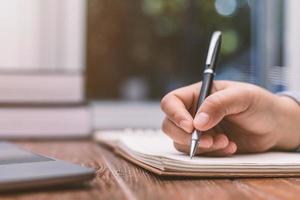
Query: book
pixel 43 105
pixel 121 114
pixel 45 122
pixel 154 151
pixel 41 88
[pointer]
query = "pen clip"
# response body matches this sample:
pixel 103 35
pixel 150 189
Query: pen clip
pixel 214 48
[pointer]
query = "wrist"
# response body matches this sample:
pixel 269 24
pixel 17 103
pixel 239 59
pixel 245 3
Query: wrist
pixel 287 128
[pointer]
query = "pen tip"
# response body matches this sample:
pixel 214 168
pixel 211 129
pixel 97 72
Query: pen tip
pixel 193 148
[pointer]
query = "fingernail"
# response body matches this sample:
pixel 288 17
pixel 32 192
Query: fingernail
pixel 201 119
pixel 186 125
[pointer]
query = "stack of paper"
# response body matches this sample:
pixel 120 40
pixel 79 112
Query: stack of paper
pixel 154 151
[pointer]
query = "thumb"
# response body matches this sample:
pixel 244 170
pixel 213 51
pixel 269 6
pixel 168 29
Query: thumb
pixel 220 104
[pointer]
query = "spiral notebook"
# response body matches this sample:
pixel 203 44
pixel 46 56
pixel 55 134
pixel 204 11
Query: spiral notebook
pixel 154 151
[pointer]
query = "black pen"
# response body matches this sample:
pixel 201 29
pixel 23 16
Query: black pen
pixel 208 77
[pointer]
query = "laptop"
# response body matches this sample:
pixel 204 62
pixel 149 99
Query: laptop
pixel 21 169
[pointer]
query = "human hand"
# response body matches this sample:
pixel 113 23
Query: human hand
pixel 236 117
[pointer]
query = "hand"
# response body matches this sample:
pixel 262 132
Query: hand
pixel 236 117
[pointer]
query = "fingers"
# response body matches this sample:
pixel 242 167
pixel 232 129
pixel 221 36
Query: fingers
pixel 177 104
pixel 220 104
pixel 226 99
pixel 181 137
pixel 219 142
pixel 228 150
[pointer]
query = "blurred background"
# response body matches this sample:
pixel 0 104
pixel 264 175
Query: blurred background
pixel 118 58
pixel 142 49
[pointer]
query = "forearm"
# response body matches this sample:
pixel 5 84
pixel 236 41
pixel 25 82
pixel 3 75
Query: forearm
pixel 292 94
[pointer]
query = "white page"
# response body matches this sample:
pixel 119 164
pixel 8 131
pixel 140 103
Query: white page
pixel 151 144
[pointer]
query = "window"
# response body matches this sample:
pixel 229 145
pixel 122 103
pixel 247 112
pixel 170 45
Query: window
pixel 42 36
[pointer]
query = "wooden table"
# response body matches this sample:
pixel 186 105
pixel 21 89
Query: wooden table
pixel 119 179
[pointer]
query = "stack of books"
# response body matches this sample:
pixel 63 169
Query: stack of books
pixel 43 106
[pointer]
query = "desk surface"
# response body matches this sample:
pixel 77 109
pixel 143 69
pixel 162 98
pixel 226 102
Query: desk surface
pixel 118 179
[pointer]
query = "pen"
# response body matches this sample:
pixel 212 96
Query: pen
pixel 208 76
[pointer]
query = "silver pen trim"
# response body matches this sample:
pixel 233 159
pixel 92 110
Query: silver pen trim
pixel 194 143
pixel 209 71
pixel 212 47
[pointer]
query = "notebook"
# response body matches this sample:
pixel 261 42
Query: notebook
pixel 154 151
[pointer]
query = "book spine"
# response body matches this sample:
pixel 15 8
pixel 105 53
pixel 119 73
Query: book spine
pixel 45 122
pixel 41 89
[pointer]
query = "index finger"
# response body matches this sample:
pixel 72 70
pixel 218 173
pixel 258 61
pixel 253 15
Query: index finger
pixel 177 104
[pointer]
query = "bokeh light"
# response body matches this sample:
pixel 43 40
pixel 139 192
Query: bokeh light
pixel 153 7
pixel 230 42
pixel 226 7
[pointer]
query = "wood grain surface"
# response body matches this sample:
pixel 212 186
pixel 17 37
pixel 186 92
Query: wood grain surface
pixel 119 179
